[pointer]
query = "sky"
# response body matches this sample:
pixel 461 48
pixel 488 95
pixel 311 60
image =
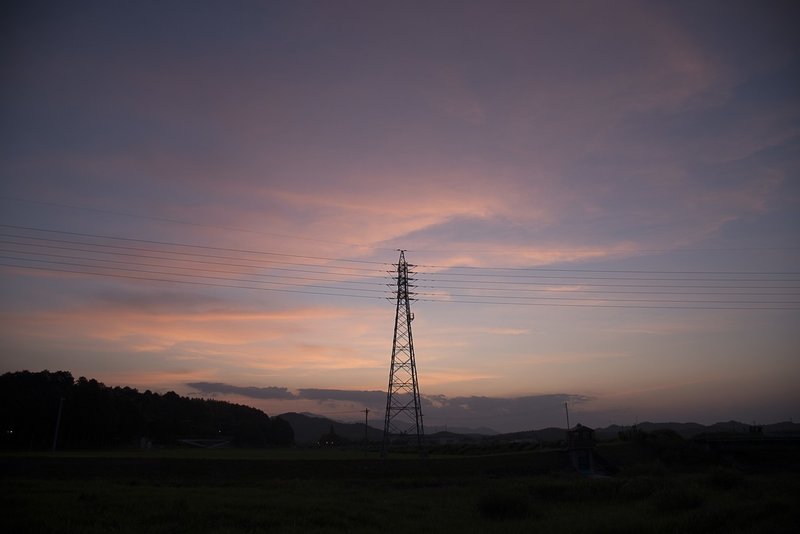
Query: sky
pixel 601 202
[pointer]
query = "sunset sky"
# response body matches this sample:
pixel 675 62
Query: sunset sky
pixel 601 198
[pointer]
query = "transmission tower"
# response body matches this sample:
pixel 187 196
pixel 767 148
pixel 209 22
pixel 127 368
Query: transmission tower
pixel 403 407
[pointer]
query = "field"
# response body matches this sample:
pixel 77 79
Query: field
pixel 295 490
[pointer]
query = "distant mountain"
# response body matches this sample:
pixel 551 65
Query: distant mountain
pixel 786 428
pixel 550 434
pixel 686 430
pixel 482 430
pixel 690 430
pixel 308 428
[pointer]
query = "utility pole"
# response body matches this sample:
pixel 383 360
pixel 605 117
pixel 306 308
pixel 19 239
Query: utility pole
pixel 366 431
pixel 58 424
pixel 566 409
pixel 403 407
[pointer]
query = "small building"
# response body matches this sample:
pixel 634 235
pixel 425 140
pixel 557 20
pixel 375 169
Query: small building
pixel 580 446
pixel 331 439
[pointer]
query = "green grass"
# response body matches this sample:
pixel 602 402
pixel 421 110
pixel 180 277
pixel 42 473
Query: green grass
pixel 294 491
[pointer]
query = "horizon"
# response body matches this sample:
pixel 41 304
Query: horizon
pixel 482 430
pixel 348 417
pixel 601 202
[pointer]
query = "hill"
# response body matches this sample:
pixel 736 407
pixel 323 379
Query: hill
pixel 692 430
pixel 481 430
pixel 308 429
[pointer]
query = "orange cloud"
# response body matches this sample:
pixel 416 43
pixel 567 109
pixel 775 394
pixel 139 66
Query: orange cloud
pixel 154 380
pixel 506 331
pixel 242 336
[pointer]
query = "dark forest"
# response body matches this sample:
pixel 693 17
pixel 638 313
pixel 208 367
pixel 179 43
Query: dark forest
pixel 91 415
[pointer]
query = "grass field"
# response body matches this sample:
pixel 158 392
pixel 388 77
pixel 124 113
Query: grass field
pixel 233 491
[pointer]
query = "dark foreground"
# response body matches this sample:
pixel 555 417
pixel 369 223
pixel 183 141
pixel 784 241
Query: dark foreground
pixel 338 491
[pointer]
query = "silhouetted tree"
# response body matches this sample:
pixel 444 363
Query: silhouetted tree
pixel 29 404
pixel 282 433
pixel 96 416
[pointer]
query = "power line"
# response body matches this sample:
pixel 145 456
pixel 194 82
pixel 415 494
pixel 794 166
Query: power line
pixel 209 277
pixel 188 223
pixel 524 298
pixel 595 284
pixel 574 270
pixel 203 247
pixel 184 260
pixel 618 291
pixel 80 253
pixel 260 275
pixel 487 283
pixel 177 253
pixel 570 295
pixel 182 255
pixel 357 245
pixel 494 274
pixel 348 295
pixel 629 252
pixel 190 282
pixel 568 277
pixel 653 307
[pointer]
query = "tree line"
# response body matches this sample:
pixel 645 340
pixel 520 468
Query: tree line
pixel 42 410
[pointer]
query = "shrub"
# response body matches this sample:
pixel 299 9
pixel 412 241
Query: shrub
pixel 638 488
pixel 725 479
pixel 554 491
pixel 677 499
pixel 503 506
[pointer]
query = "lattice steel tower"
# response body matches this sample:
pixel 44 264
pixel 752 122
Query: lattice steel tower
pixel 403 408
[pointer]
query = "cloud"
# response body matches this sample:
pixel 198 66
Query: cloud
pixel 527 154
pixel 499 405
pixel 155 330
pixel 272 392
pixel 369 398
pixel 501 413
pixel 538 134
pixel 504 414
pixel 215 388
pixel 450 94
pixel 507 331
